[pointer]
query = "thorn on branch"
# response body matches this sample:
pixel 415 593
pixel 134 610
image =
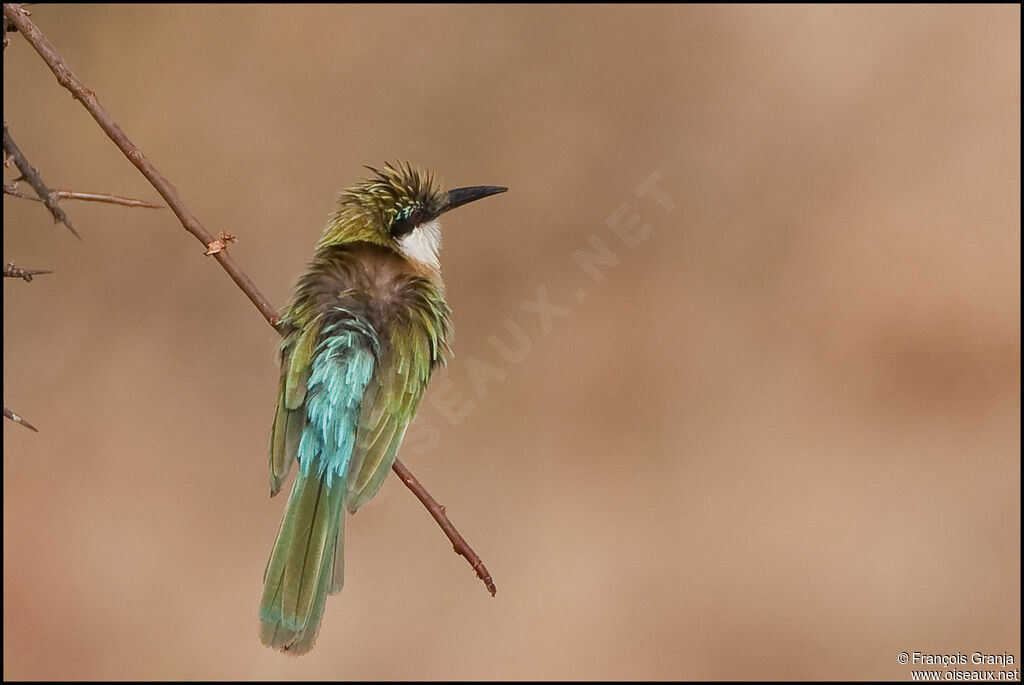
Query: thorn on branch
pixel 11 271
pixel 17 419
pixel 12 190
pixel 31 174
pixel 220 243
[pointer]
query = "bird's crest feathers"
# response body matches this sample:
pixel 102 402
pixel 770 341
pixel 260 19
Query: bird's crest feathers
pixel 383 208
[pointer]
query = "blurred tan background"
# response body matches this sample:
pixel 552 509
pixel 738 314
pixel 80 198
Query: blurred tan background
pixel 779 438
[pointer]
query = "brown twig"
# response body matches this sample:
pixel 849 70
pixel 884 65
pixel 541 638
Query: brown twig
pixel 437 510
pixel 88 99
pixel 31 174
pixel 11 271
pixel 12 190
pixel 17 419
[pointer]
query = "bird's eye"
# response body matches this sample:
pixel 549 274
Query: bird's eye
pixel 406 222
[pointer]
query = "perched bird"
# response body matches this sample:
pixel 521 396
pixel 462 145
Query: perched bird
pixel 364 330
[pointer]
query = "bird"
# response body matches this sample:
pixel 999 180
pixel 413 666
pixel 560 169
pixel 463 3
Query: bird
pixel 365 328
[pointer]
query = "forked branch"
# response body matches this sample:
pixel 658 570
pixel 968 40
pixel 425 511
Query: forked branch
pixel 31 174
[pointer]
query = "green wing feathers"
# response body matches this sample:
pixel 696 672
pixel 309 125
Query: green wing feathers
pixel 389 405
pixel 289 420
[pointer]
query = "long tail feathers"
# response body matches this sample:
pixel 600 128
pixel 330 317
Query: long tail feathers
pixel 306 565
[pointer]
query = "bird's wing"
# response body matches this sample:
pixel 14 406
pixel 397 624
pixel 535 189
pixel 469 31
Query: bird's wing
pixel 289 420
pixel 389 405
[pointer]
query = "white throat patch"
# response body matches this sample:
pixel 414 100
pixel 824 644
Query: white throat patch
pixel 423 244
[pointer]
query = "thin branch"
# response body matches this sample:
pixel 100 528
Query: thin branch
pixel 437 510
pixel 68 80
pixel 17 419
pixel 12 190
pixel 11 271
pixel 31 174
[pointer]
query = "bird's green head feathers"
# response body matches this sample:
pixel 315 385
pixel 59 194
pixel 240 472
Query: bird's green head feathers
pixel 398 207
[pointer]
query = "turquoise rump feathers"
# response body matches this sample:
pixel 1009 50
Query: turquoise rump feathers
pixel 363 332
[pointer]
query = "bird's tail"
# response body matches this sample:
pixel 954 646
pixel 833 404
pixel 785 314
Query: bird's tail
pixel 306 565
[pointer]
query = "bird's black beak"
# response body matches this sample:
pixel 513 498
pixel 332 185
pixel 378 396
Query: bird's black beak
pixel 460 196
